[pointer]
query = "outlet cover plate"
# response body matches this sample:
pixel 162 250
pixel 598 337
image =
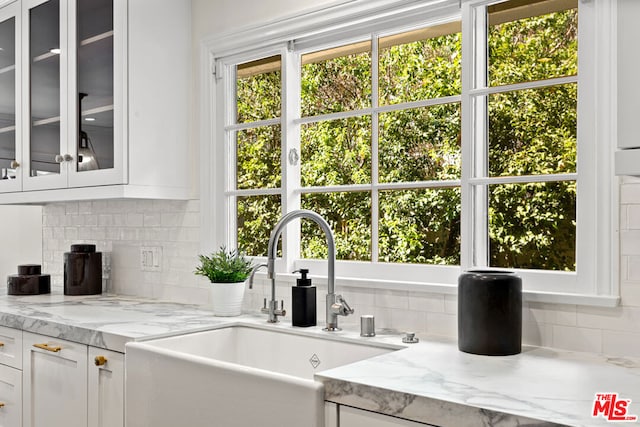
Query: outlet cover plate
pixel 151 258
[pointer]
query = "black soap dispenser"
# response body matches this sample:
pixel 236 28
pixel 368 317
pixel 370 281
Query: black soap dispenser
pixel 303 301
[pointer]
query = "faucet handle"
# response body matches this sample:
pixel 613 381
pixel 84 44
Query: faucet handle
pixel 264 308
pixel 340 307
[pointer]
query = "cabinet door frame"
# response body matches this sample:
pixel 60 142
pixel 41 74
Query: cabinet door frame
pixel 7 12
pixel 10 396
pixel 117 174
pixel 53 180
pixel 69 352
pixel 105 389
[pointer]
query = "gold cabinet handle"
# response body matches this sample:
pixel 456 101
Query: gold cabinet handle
pixel 100 360
pixel 1 404
pixel 54 348
pixel 1 344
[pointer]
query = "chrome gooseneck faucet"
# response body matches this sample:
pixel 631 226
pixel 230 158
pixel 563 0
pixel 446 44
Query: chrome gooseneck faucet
pixel 336 305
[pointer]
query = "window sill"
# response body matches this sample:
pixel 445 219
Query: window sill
pixel 447 289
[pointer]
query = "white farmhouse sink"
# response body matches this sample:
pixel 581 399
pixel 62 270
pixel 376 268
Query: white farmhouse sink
pixel 240 376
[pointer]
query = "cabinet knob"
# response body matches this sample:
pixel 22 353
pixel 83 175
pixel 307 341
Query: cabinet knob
pixel 15 164
pixel 100 360
pixel 1 404
pixel 53 348
pixel 59 158
pixel 1 344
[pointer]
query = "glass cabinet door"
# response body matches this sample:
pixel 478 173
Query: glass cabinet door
pixel 9 81
pixel 95 84
pixel 45 48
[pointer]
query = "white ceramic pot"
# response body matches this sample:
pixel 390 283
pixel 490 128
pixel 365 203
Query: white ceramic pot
pixel 226 298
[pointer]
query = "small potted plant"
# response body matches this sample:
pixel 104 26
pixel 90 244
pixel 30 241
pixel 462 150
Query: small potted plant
pixel 227 270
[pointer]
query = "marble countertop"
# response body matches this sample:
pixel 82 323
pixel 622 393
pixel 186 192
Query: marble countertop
pixel 433 382
pixel 429 382
pixel 103 321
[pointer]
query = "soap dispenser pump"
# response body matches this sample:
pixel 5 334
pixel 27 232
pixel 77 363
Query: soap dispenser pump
pixel 303 301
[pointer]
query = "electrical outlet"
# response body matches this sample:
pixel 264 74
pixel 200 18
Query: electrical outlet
pixel 151 258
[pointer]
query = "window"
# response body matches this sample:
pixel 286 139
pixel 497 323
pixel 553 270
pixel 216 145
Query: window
pixel 432 138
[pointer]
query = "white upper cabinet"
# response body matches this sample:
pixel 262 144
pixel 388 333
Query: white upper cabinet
pixel 97 100
pixel 10 79
pixel 627 159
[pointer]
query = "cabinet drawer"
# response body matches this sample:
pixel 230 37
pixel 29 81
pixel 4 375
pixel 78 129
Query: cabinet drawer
pixel 10 396
pixel 353 417
pixel 11 347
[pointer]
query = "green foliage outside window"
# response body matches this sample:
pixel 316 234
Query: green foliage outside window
pixel 530 132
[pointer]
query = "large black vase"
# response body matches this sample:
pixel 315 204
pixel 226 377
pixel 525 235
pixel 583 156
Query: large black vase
pixel 490 312
pixel 82 270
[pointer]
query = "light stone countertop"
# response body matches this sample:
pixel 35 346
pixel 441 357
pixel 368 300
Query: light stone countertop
pixel 429 382
pixel 104 321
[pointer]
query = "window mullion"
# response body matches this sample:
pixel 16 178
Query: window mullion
pixel 231 237
pixel 375 199
pixel 480 137
pixel 290 195
pixel 474 232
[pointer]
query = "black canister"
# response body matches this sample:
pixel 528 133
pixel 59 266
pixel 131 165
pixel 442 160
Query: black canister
pixel 83 270
pixel 490 312
pixel 29 281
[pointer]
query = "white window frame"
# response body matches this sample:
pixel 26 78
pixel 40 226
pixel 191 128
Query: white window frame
pixel 596 279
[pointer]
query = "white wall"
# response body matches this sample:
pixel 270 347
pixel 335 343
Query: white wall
pixel 21 237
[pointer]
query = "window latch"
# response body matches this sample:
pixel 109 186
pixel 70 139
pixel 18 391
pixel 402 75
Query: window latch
pixel 293 157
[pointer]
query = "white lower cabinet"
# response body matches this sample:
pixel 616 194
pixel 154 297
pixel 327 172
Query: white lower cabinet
pixel 10 377
pixel 55 382
pixel 66 384
pixel 10 397
pixel 353 417
pixel 106 388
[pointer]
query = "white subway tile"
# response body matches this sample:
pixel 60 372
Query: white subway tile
pixel 85 207
pixel 633 217
pixel 633 268
pixel 392 299
pixel 556 314
pixel 71 233
pixel 451 304
pixel 357 297
pixel 426 302
pixel 134 220
pixel 624 218
pixel 54 209
pixel 191 219
pixel 577 339
pixel 630 242
pixel 384 318
pixel 538 334
pixel 170 205
pixel 630 193
pixel 144 206
pixel 71 208
pixel 152 219
pixel 170 219
pixel 409 320
pixel 630 294
pixel 192 206
pixel 616 319
pixel 130 234
pixel 624 344
pixel 105 220
pixel 442 324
